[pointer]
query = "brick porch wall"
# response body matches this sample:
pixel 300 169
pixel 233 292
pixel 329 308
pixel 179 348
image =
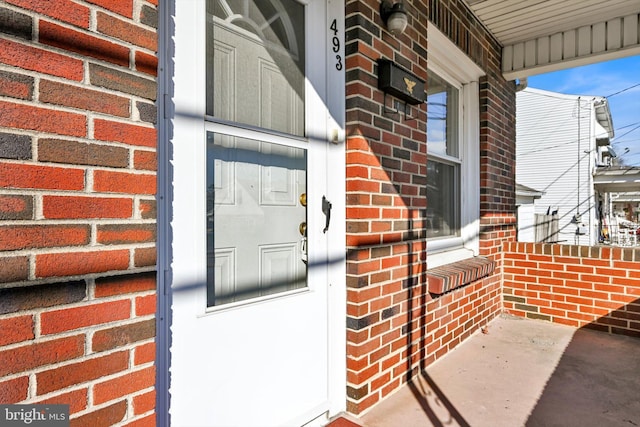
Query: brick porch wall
pixel 86 343
pixel 395 326
pixel 580 286
pixel 77 206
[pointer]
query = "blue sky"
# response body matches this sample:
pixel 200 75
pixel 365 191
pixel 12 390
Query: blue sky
pixel 606 79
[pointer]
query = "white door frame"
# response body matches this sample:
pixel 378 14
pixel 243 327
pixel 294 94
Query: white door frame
pixel 178 109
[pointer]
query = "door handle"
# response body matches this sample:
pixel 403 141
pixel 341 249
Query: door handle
pixel 326 210
pixel 304 256
pixel 302 228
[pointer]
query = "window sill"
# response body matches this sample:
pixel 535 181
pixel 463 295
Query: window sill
pixel 451 276
pixel 439 254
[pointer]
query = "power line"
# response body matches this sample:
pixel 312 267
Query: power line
pixel 545 148
pixel 628 126
pixel 623 90
pixel 627 133
pixel 617 139
pixel 626 141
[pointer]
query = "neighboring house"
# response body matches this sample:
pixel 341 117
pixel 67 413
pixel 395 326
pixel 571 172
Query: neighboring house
pixel 212 214
pixel 619 203
pixel 560 142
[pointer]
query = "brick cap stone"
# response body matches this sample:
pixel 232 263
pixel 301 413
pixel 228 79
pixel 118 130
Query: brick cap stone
pixel 450 276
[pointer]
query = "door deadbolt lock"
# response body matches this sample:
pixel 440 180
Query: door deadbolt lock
pixel 302 228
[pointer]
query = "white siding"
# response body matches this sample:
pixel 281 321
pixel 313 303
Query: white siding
pixel 526 223
pixel 551 140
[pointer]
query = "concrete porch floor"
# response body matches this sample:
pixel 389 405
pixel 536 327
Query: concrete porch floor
pixel 523 373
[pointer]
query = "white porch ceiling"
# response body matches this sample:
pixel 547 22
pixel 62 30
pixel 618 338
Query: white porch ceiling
pixel 539 36
pixel 617 179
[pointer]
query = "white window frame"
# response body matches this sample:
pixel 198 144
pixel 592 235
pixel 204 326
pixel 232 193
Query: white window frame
pixel 453 142
pixel 451 64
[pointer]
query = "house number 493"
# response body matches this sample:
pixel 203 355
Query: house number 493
pixel 335 41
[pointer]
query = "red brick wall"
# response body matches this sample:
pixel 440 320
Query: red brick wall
pixel 77 207
pixel 86 343
pixel 391 345
pixel 394 326
pixel 581 286
pixel 386 169
pixel 77 138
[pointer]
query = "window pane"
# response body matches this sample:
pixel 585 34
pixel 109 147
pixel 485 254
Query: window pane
pixel 442 117
pixel 256 244
pixel 443 209
pixel 256 63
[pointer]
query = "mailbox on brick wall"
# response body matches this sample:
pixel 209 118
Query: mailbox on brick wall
pixel 396 81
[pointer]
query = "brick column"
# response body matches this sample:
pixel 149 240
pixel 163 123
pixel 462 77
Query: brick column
pixel 395 327
pixel 77 207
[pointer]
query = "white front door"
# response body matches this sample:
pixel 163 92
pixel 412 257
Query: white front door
pixel 249 302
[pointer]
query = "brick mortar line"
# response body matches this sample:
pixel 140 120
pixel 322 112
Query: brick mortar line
pixel 31 266
pixel 93 16
pixel 85 84
pixel 132 262
pixel 91 121
pixel 39 337
pixel 137 11
pixel 76 249
pixel 38 208
pixel 131 159
pixel 37 136
pixel 88 179
pixel 92 29
pixel 90 115
pixel 32 395
pixel 93 237
pixel 78 221
pixel 34 103
pixel 91 407
pixel 77 56
pixel 77 166
pixel 135 15
pixel 32 281
pixel 40 340
pixel 118 297
pixel 92 8
pixel 32 386
pixel 87 356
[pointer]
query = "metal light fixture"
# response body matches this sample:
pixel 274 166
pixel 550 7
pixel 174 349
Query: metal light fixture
pixel 394 16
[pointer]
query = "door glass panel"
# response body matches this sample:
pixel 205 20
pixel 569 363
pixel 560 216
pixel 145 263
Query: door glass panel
pixel 256 218
pixel 256 63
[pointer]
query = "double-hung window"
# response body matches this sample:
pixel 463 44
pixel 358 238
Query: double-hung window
pixel 443 165
pixel 453 164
